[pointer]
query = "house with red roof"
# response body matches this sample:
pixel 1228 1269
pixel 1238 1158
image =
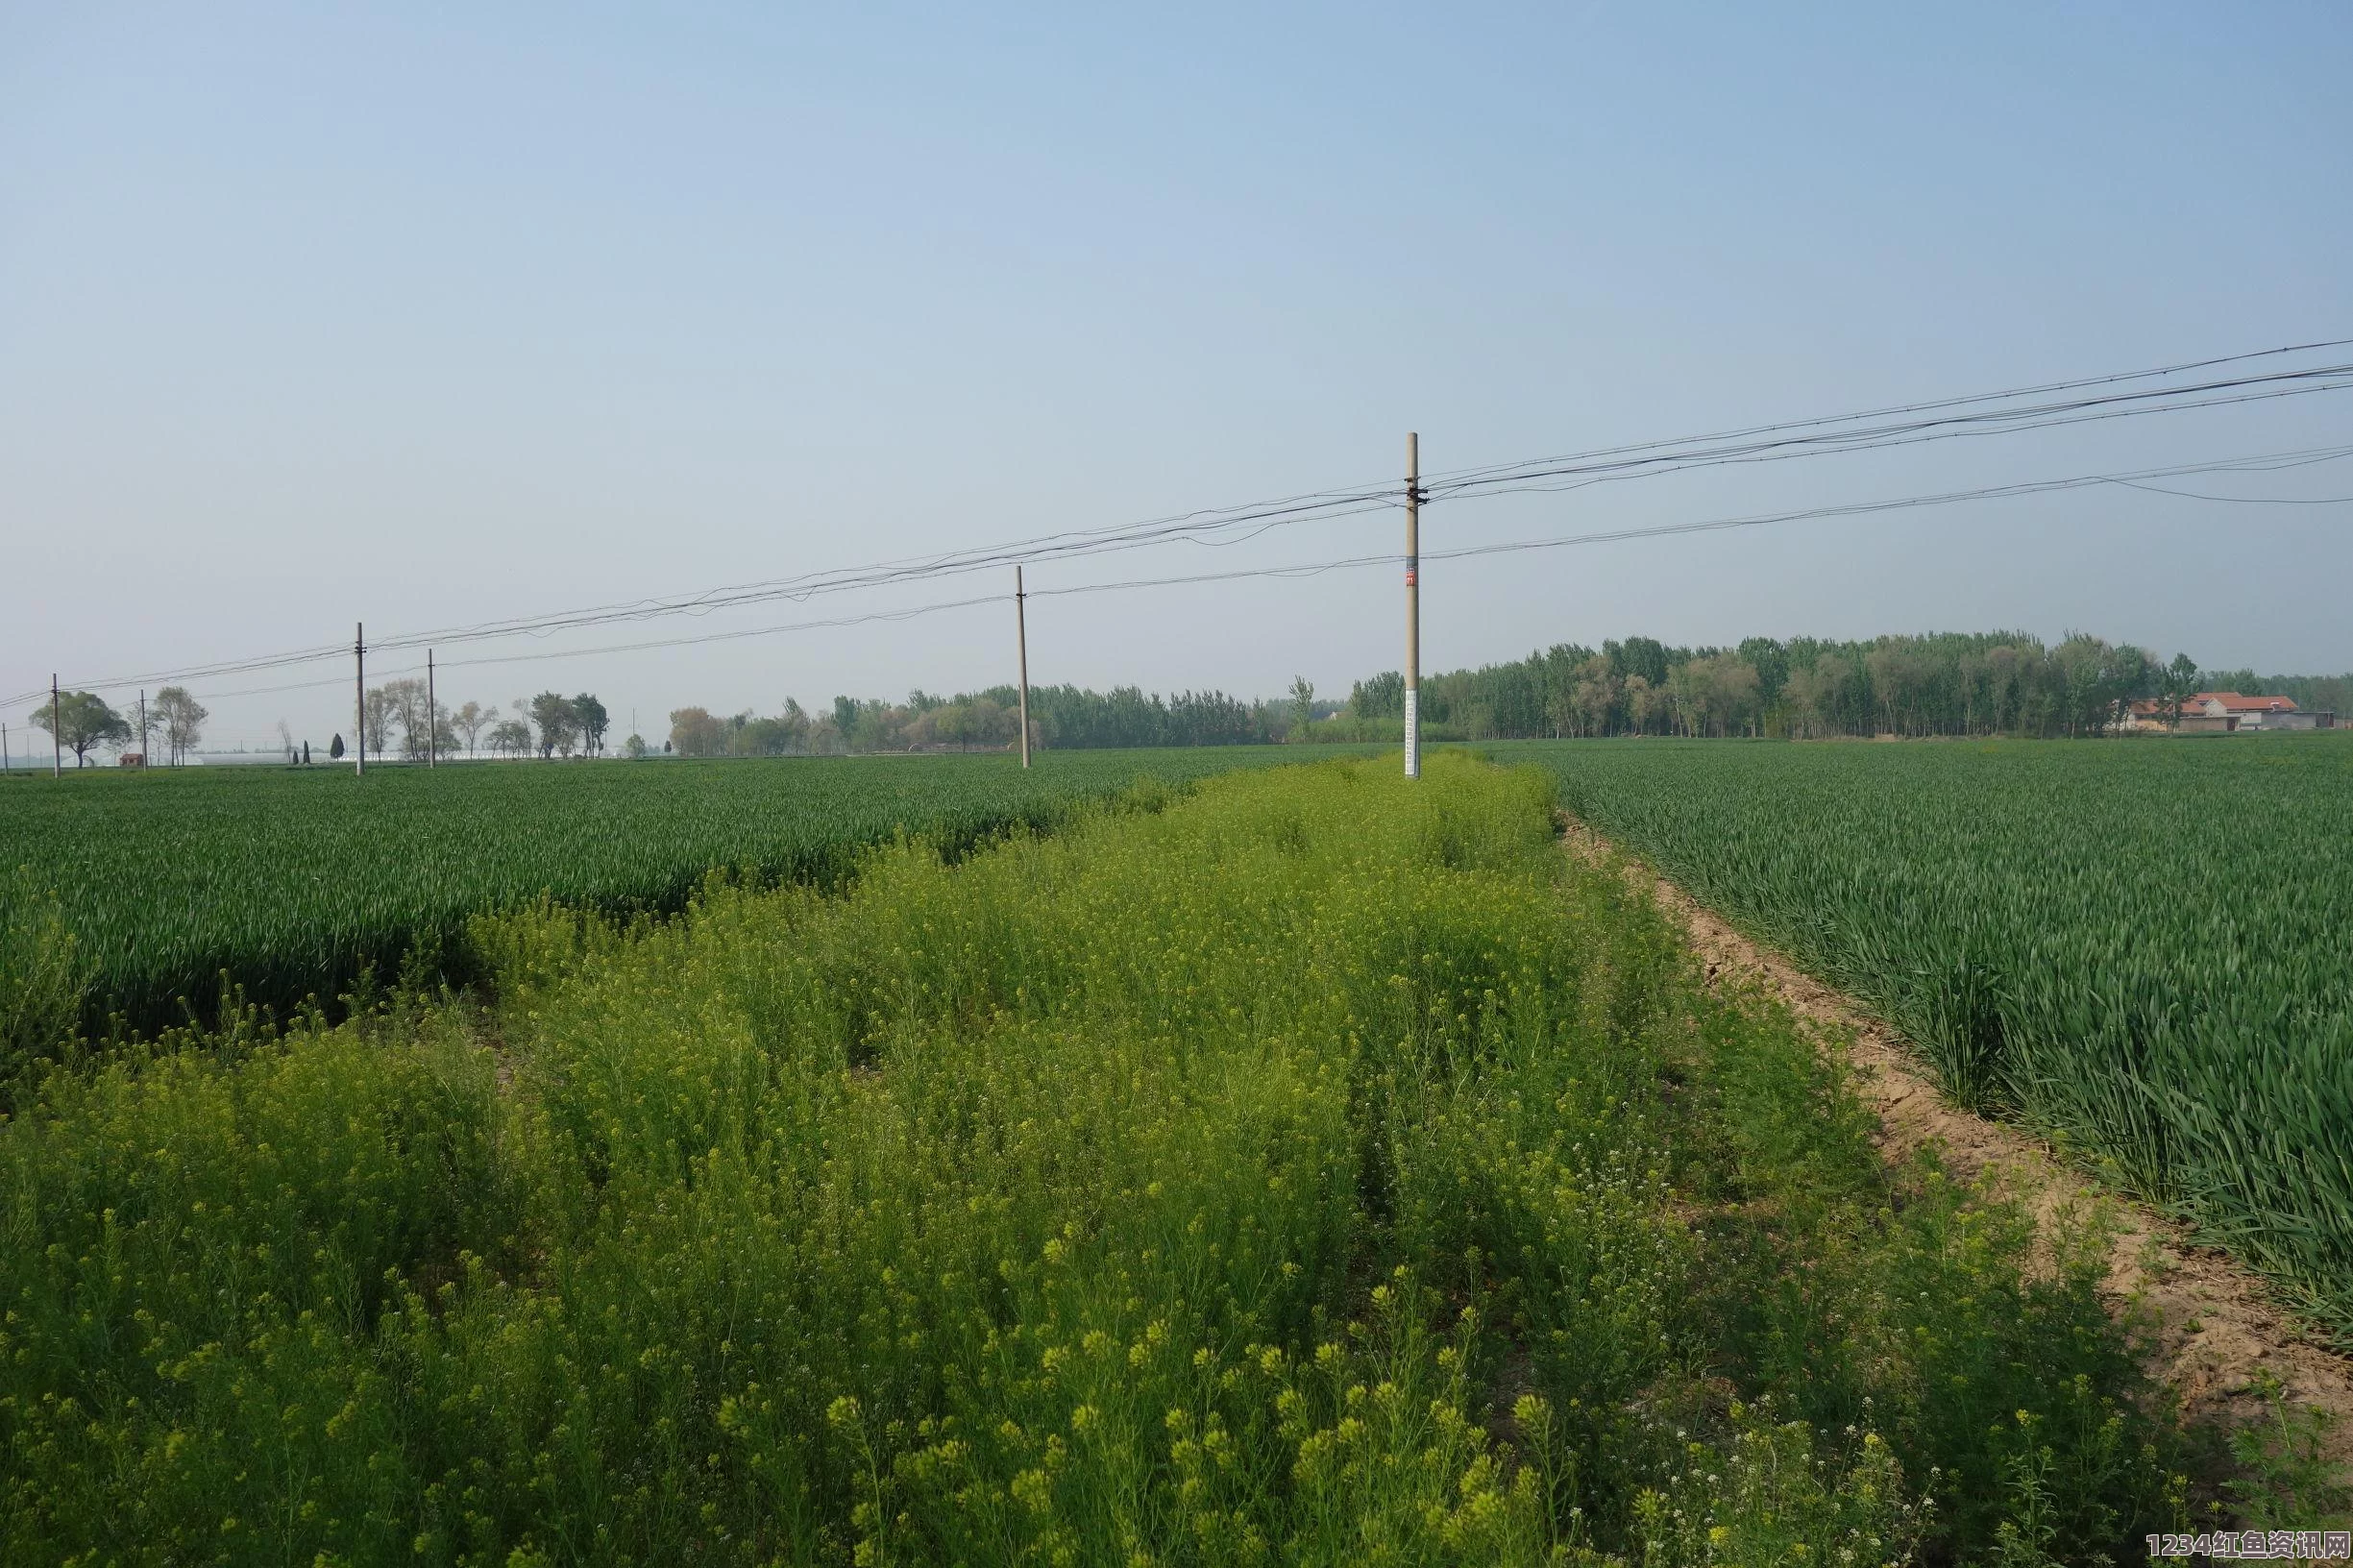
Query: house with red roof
pixel 2217 713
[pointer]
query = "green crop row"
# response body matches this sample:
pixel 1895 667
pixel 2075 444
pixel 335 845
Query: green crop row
pixel 290 882
pixel 2147 948
pixel 1322 1169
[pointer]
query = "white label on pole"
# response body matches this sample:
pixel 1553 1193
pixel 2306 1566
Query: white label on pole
pixel 1413 733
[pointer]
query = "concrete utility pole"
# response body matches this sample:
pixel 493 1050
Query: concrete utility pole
pixel 1413 605
pixel 142 727
pixel 57 730
pixel 1020 637
pixel 359 694
pixel 433 716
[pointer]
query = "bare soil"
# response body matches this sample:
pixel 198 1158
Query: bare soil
pixel 2216 1322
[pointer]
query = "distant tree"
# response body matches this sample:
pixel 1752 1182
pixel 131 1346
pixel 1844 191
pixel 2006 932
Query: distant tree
pixel 379 711
pixel 334 748
pixel 1733 700
pixel 1593 698
pixel 872 725
pixel 1649 706
pixel 695 733
pixel 1770 659
pixel 797 724
pixel 634 748
pixel 590 714
pixel 403 703
pixel 559 725
pixel 285 742
pixel 305 753
pixel 1303 705
pixel 2179 684
pixel 82 721
pixel 760 738
pixel 471 719
pixel 1383 696
pixel 183 720
pixel 511 737
pixel 1644 656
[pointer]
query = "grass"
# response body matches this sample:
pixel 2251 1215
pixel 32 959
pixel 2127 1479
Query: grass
pixel 285 884
pixel 2139 946
pixel 1305 1168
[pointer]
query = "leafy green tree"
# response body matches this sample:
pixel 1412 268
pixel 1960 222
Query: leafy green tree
pixel 559 722
pixel 796 724
pixel 1644 656
pixel 1383 696
pixel 2179 684
pixel 873 730
pixel 757 738
pixel 1303 705
pixel 695 733
pixel 593 720
pixel 82 721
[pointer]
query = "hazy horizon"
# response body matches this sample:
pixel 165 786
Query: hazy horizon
pixel 427 318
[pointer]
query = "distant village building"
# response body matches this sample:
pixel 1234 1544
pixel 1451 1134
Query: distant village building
pixel 2302 719
pixel 2223 712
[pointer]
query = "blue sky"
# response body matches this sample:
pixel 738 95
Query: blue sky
pixel 425 315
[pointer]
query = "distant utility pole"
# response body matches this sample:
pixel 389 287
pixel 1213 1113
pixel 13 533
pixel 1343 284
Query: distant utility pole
pixel 360 693
pixel 142 726
pixel 1020 637
pixel 1413 605
pixel 432 715
pixel 57 730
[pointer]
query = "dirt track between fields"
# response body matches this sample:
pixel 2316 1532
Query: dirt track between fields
pixel 2219 1323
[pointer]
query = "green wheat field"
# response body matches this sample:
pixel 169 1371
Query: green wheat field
pixel 1284 1164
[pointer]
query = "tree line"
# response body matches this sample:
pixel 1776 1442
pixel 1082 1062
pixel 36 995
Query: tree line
pixel 84 722
pixel 548 726
pixel 1065 717
pixel 1945 683
pixel 399 713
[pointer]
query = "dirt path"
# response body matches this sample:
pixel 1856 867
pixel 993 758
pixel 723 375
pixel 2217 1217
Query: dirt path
pixel 2217 1322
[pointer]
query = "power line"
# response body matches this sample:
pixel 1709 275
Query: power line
pixel 870 616
pixel 1217 526
pixel 1979 422
pixel 2038 390
pixel 2267 462
pixel 2242 501
pixel 1325 507
pixel 1292 510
